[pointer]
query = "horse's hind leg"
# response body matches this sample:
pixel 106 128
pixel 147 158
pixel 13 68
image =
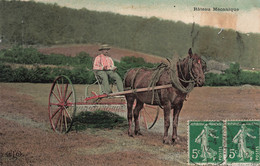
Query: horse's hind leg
pixel 166 111
pixel 130 101
pixel 138 107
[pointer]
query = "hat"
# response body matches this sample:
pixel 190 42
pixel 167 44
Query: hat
pixel 104 47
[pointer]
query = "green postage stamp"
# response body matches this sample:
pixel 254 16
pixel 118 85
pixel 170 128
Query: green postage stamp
pixel 206 142
pixel 224 142
pixel 242 142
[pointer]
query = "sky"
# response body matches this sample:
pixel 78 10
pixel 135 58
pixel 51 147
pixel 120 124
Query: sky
pixel 246 19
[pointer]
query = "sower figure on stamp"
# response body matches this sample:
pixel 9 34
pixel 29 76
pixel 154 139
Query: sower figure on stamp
pixel 203 139
pixel 240 139
pixel 104 67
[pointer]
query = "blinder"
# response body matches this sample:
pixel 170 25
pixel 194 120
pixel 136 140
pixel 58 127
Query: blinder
pixel 190 64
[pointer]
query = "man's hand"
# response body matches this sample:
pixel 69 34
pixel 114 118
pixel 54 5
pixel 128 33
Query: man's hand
pixel 105 67
pixel 114 68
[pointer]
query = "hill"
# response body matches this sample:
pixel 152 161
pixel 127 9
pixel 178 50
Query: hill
pixel 46 24
pixel 92 50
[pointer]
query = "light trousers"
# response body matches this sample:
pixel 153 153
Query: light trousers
pixel 103 79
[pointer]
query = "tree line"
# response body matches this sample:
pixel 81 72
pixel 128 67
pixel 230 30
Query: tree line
pixel 78 68
pixel 45 68
pixel 34 23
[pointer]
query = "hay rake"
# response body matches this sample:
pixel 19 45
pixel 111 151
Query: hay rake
pixel 63 106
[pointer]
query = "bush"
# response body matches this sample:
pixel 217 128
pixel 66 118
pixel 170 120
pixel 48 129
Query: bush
pixel 84 59
pixel 55 72
pixel 32 56
pixel 78 69
pixel 233 76
pixel 20 74
pixel 247 77
pixel 127 63
pixel 40 75
pixel 21 55
pixel 5 73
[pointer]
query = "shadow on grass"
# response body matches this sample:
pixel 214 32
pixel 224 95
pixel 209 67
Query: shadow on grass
pixel 98 119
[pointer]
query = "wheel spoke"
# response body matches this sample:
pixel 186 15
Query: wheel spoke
pixel 66 111
pixel 61 121
pixel 55 104
pixel 145 122
pixel 68 97
pixel 146 113
pixel 62 104
pixel 61 87
pixel 58 89
pixel 65 122
pixel 65 91
pixel 55 113
pixel 57 120
pixel 56 97
pixel 149 116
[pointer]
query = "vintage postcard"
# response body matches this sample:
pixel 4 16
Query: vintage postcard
pixel 129 82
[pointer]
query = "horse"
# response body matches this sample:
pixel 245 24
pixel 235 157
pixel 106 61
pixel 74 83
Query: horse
pixel 189 73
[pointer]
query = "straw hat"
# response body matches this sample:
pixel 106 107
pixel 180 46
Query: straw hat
pixel 104 47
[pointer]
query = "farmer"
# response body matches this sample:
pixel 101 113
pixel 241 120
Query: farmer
pixel 104 67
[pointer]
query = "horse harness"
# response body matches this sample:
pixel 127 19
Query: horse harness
pixel 175 79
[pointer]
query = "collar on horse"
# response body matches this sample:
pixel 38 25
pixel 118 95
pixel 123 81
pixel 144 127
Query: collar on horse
pixel 190 72
pixel 176 80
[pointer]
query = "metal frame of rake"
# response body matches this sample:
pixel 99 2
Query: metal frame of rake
pixel 63 106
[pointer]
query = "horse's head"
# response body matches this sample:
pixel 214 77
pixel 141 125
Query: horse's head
pixel 198 67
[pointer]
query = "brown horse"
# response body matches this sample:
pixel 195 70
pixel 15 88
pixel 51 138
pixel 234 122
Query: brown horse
pixel 189 73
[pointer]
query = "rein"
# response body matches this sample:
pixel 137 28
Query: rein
pixel 175 80
pixel 155 78
pixel 190 72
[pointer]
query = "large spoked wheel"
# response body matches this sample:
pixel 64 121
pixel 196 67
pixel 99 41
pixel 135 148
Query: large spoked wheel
pixel 149 115
pixel 62 104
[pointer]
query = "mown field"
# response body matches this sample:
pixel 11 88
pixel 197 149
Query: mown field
pixel 27 139
pixel 92 50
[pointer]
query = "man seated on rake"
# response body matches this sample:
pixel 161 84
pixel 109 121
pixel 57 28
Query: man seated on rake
pixel 104 68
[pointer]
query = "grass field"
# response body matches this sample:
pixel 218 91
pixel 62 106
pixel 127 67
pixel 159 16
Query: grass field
pixel 25 128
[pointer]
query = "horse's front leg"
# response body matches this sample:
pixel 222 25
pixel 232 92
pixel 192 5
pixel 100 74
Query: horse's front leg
pixel 176 112
pixel 166 111
pixel 138 107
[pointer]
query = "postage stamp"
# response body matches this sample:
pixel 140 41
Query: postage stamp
pixel 242 142
pixel 205 142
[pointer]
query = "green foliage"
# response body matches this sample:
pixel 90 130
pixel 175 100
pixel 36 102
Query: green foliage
pixel 85 59
pixel 35 23
pixel 20 74
pixel 40 75
pixel 98 119
pixel 82 76
pixel 127 63
pixel 76 68
pixel 31 56
pixel 233 76
pixel 19 55
pixel 5 73
pixel 248 77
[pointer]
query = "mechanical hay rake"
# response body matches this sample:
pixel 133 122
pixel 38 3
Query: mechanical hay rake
pixel 63 106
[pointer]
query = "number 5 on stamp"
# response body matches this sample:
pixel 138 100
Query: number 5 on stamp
pixel 242 141
pixel 205 142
